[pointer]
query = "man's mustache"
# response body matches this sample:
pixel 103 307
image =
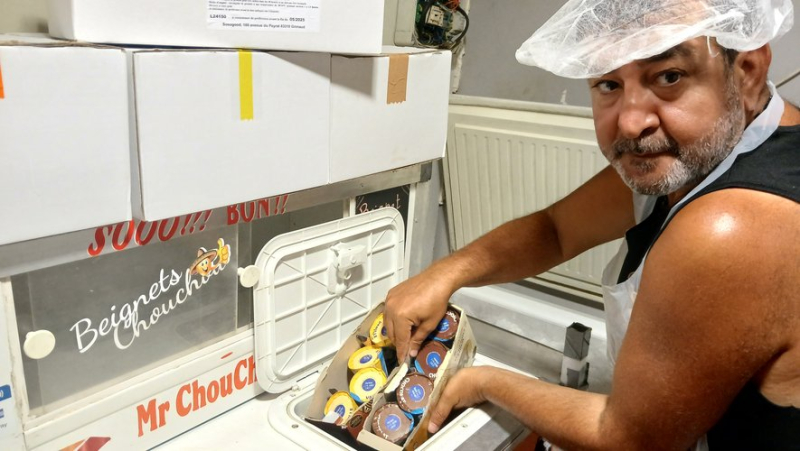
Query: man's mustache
pixel 645 146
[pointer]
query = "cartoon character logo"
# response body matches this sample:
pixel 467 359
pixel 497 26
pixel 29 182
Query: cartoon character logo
pixel 208 261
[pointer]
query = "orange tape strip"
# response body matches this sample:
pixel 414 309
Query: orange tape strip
pixel 2 92
pixel 398 79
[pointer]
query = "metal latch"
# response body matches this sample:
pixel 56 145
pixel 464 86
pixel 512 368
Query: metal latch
pixel 343 260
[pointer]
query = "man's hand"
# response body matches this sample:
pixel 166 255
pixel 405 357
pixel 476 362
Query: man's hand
pixel 414 309
pixel 465 389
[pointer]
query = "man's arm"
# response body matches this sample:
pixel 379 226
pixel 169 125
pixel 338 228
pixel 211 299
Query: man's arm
pixel 599 211
pixel 717 303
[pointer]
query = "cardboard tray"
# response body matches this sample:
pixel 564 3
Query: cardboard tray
pixel 334 378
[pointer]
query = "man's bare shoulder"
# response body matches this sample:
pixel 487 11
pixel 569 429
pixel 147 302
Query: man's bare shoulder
pixel 737 216
pixel 740 244
pixel 719 291
pixel 757 228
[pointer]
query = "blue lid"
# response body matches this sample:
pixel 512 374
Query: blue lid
pixel 434 359
pixel 368 385
pixel 416 393
pixel 392 422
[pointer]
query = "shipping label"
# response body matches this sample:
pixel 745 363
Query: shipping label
pixel 268 15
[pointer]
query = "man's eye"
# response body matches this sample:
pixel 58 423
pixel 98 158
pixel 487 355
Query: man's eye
pixel 668 78
pixel 606 86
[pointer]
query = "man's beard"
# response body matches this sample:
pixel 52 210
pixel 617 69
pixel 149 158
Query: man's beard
pixel 692 162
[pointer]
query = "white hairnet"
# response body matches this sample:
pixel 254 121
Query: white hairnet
pixel 589 38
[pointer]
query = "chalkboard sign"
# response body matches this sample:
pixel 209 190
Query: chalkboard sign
pixel 393 197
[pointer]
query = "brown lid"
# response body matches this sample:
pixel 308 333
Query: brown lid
pixel 414 392
pixel 447 327
pixel 391 423
pixel 430 357
pixel 356 422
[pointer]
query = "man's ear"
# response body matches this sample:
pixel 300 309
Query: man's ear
pixel 751 70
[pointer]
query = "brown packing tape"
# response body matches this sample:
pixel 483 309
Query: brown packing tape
pixel 397 84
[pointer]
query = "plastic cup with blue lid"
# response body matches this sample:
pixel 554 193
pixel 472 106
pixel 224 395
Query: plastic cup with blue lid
pixel 366 383
pixel 414 392
pixel 341 403
pixel 430 358
pixel 391 423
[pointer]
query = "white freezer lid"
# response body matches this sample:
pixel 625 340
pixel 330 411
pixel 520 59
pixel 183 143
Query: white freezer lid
pixel 314 288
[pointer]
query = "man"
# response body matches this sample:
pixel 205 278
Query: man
pixel 704 183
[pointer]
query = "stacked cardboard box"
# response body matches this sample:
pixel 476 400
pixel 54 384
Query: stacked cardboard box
pixel 96 135
pixel 218 127
pixel 64 138
pixel 334 26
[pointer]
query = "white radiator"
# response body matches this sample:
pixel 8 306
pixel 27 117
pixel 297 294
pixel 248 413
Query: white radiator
pixel 504 163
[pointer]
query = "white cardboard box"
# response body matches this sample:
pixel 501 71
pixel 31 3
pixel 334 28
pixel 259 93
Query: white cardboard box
pixel 341 26
pixel 219 127
pixel 64 138
pixel 387 111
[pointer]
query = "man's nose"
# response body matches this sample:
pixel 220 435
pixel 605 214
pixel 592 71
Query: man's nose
pixel 638 115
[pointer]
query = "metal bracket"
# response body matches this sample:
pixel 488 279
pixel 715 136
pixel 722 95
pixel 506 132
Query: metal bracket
pixel 575 364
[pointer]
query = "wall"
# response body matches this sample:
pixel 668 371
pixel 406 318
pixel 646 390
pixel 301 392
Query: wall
pixel 23 16
pixel 498 27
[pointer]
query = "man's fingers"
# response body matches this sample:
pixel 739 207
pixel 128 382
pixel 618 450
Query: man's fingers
pixel 389 325
pixel 416 342
pixel 421 333
pixel 441 411
pixel 398 329
pixel 402 335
